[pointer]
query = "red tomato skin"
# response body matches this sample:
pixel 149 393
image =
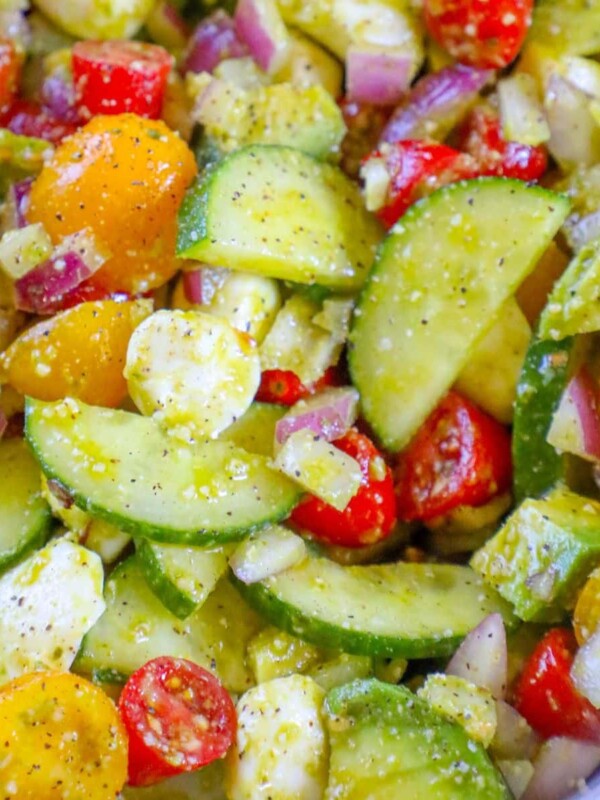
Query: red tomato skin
pixel 114 77
pixel 284 387
pixel 479 33
pixel 459 456
pixel 416 168
pixel 10 71
pixel 545 694
pixel 162 705
pixel 371 514
pixel 481 137
pixel 30 119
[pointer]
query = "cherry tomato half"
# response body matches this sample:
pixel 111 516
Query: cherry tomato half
pixel 481 137
pixel 10 71
pixel 416 168
pixel 545 694
pixel 460 456
pixel 114 77
pixel 178 717
pixel 479 33
pixel 284 387
pixel 370 516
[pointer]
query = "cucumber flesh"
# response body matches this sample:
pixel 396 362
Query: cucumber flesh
pixel 136 627
pixel 437 287
pixel 121 467
pixel 25 516
pixel 255 430
pixel 388 743
pixel 401 609
pixel 181 577
pixel 239 216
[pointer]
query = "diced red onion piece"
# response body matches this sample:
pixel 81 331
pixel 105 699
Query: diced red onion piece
pixel 58 96
pixel 561 766
pixel 377 76
pixel 574 138
pixel 267 553
pixel 329 414
pixel 482 657
pixel 42 289
pixel 192 286
pixel 15 206
pixel 213 40
pixel 575 425
pixel 436 104
pixel 259 24
pixel 585 671
pixel 514 737
pixel 3 423
pixel 585 230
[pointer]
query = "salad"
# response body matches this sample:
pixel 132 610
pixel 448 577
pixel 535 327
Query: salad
pixel 300 400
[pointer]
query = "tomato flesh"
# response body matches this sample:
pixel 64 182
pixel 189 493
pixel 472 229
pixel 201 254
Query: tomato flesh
pixel 478 32
pixel 481 136
pixel 178 717
pixel 10 71
pixel 26 118
pixel 416 168
pixel 115 77
pixel 459 456
pixel 284 387
pixel 545 694
pixel 369 517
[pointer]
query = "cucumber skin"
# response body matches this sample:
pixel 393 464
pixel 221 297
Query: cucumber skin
pixel 158 533
pixel 537 465
pixel 169 595
pixel 324 634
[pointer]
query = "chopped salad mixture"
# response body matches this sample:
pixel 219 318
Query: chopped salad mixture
pixel 300 399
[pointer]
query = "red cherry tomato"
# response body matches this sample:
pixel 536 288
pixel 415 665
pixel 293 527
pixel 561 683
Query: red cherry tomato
pixel 30 119
pixel 284 387
pixel 178 717
pixel 545 694
pixel 479 33
pixel 119 76
pixel 481 136
pixel 460 456
pixel 10 71
pixel 416 168
pixel 369 516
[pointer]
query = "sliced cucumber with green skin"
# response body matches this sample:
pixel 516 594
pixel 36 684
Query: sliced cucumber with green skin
pixel 136 627
pixel 25 516
pixel 401 609
pixel 537 466
pixel 255 430
pixel 239 214
pixel 388 743
pixel 437 287
pixel 121 467
pixel 181 577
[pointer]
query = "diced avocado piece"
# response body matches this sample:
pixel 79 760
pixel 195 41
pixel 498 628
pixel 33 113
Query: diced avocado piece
pixel 238 215
pixel 542 555
pixel 461 701
pixel 342 669
pixel 548 366
pixel 273 653
pixel 573 305
pixel 386 742
pixel 20 156
pixel 489 234
pixel 98 19
pixel 567 26
pixel 307 118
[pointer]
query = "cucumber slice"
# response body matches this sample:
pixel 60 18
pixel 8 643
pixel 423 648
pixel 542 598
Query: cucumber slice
pixel 239 215
pixel 387 743
pixel 567 26
pixel 410 610
pixel 537 466
pixel 137 627
pixel 255 430
pixel 437 287
pixel 123 468
pixel 181 577
pixel 25 515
